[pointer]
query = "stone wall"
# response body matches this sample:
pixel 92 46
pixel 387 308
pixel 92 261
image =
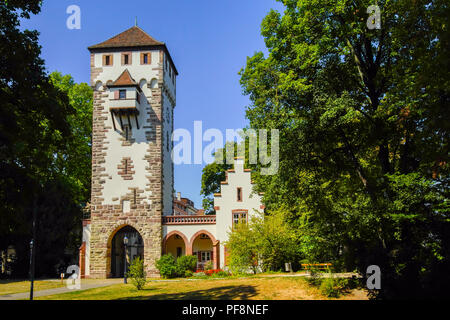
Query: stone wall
pixel 144 216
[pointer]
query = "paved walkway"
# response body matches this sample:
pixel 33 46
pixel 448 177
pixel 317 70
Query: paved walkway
pixel 48 292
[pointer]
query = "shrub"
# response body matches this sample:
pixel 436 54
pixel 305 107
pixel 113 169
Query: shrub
pixel 221 274
pixel 167 266
pixel 208 265
pixel 185 264
pixel 137 273
pixel 188 274
pixel 199 274
pixel 333 287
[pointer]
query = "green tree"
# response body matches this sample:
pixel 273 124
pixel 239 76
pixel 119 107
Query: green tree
pixel 363 127
pixel 243 249
pixel 278 241
pixel 137 273
pixel 266 243
pixel 75 161
pixel 40 137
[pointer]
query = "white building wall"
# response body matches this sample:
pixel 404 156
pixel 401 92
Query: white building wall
pixel 146 76
pixel 167 149
pixel 87 240
pixel 190 230
pixel 227 202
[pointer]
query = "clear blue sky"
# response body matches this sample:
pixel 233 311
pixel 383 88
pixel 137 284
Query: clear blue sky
pixel 209 41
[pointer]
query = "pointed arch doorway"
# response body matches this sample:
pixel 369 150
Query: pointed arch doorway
pixel 135 248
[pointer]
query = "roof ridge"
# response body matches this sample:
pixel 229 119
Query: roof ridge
pixel 132 37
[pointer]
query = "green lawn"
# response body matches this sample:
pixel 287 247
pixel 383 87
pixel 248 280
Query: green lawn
pixel 249 288
pixel 9 287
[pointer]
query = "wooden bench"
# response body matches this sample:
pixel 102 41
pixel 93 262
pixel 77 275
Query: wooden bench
pixel 320 266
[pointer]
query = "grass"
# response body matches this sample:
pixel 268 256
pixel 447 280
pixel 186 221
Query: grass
pixel 249 288
pixel 10 287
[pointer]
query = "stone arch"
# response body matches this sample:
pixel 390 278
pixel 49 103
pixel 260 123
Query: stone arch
pixel 118 227
pixel 142 83
pixel 209 234
pixel 215 246
pixel 98 86
pixel 187 244
pixel 154 83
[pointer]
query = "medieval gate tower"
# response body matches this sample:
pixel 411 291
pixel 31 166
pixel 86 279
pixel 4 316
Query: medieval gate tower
pixel 134 81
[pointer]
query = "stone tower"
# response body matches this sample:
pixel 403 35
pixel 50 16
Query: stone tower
pixel 134 81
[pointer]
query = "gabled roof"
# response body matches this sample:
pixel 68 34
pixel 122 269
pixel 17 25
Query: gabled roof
pixel 124 80
pixel 133 37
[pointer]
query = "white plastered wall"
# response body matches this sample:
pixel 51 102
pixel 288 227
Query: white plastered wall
pixel 115 186
pixel 227 202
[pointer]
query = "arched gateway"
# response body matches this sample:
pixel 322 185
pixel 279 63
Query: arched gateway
pixel 133 249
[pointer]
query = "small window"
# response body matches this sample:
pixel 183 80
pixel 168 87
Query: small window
pixel 239 194
pixel 204 236
pixel 235 218
pixel 168 142
pixel 239 218
pixel 145 58
pixel 126 59
pixel 107 60
pixel 122 94
pixel 205 256
pixel 127 132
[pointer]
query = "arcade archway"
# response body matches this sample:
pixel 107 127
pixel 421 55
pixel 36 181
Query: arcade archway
pixel 176 244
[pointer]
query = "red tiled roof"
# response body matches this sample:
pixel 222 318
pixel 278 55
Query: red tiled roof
pixel 124 79
pixel 133 37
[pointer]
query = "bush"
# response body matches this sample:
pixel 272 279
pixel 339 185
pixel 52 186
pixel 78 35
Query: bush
pixel 137 273
pixel 185 264
pixel 199 275
pixel 221 274
pixel 208 265
pixel 332 287
pixel 167 266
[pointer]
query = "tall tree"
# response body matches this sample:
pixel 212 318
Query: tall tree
pixel 364 133
pixel 38 127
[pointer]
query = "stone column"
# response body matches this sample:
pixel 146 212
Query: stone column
pixel 216 254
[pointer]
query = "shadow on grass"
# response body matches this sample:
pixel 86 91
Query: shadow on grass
pixel 220 293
